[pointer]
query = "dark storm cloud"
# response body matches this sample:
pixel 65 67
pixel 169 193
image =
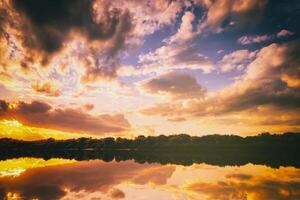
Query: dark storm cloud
pixel 39 31
pixel 40 114
pixel 51 20
pixel 107 61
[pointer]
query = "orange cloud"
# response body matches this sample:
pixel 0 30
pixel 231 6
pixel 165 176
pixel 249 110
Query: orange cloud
pixel 291 80
pixel 39 114
pixel 117 194
pixel 46 88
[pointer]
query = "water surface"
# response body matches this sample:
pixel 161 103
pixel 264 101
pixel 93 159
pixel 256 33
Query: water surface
pixel 36 178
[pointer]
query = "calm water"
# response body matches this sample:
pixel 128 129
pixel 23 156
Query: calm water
pixel 35 178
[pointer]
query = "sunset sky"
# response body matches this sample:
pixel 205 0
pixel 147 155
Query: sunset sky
pixel 97 68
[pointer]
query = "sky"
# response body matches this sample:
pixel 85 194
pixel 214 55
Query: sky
pixel 98 68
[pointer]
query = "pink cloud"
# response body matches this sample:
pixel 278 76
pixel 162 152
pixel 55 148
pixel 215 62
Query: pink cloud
pixel 246 40
pixel 284 33
pixel 236 60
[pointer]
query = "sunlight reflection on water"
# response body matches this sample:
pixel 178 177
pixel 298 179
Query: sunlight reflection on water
pixel 95 179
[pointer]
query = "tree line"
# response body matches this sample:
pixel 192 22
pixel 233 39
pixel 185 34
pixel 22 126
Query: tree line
pixel 287 140
pixel 273 150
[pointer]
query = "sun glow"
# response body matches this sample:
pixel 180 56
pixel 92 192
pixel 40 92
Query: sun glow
pixel 16 130
pixel 15 167
pixel 13 196
pixel 13 105
pixel 15 123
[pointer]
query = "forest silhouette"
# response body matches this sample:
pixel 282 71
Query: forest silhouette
pixel 273 150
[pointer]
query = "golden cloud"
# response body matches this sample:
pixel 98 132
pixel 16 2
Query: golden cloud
pixel 40 114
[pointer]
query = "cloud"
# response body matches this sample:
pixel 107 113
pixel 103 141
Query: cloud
pixel 117 194
pixel 284 33
pixel 185 31
pixel 169 57
pixel 107 61
pixel 264 91
pixel 94 35
pixel 246 40
pixel 178 85
pixel 43 32
pixel 46 88
pixel 178 52
pixel 220 51
pixel 239 177
pixel 236 60
pixel 183 56
pixel 73 43
pixel 3 106
pixel 176 119
pixel 150 16
pixel 4 92
pixel 40 114
pixel 222 14
pixel 89 106
pixel 49 22
pixel 291 80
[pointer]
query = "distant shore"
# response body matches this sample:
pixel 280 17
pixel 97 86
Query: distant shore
pixel 269 149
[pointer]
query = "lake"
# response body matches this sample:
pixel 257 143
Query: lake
pixel 95 179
